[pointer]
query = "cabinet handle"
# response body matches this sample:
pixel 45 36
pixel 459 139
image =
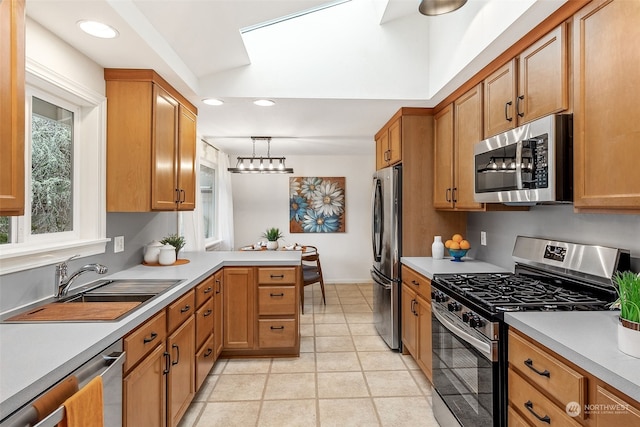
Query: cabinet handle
pixel 453 194
pixel 414 282
pixel 177 195
pixel 518 99
pixel 277 327
pixel 218 286
pixel 277 276
pixel 152 337
pixel 281 294
pixel 415 313
pixel 185 308
pixel 207 313
pixel 206 291
pixel 447 195
pixel 177 355
pixel 412 303
pixel 544 373
pixel 506 111
pixel 529 407
pixel 208 353
pixel 184 195
pixel 167 362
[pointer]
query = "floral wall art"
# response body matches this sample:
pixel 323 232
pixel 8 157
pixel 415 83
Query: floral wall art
pixel 316 205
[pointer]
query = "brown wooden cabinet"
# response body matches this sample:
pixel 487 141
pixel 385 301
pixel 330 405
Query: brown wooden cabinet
pixel 530 86
pixel 389 144
pixel 12 98
pixel 606 116
pixel 182 375
pixel 621 411
pixel 205 356
pixel 151 144
pixel 218 320
pixel 239 308
pixel 144 391
pixel 416 319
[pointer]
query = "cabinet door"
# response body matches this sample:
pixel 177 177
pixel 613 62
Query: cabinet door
pixel 187 160
pixel 382 147
pixel 424 336
pixel 543 82
pixel 606 115
pixel 499 96
pixel 395 142
pixel 164 191
pixel 144 392
pixel 182 374
pixel 204 322
pixel 443 159
pixel 12 63
pixel 622 414
pixel 409 320
pixel 239 308
pixel 467 133
pixel 218 313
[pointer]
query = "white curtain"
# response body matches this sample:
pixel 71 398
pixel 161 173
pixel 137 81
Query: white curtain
pixel 225 210
pixel 190 223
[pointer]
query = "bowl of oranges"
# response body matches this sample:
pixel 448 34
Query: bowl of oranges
pixel 457 247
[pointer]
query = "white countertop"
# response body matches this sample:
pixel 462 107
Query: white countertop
pixel 586 338
pixel 35 356
pixel 428 266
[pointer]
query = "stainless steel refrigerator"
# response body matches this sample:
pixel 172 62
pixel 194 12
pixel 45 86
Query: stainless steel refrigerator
pixel 386 243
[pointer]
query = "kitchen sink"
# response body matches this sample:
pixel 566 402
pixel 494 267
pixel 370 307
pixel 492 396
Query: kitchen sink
pixel 91 297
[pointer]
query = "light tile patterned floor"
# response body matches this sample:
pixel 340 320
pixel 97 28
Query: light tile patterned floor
pixel 345 376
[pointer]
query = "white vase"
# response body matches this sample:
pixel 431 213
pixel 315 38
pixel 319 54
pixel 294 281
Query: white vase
pixel 167 255
pixel 272 245
pixel 437 248
pixel 152 252
pixel 629 337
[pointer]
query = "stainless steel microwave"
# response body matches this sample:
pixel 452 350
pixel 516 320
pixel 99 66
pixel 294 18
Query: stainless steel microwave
pixel 530 164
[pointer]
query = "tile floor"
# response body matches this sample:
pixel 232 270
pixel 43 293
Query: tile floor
pixel 345 376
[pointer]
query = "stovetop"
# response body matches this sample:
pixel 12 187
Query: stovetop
pixel 499 292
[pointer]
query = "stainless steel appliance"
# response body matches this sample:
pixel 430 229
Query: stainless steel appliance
pixel 468 330
pixel 386 232
pixel 526 165
pixel 108 365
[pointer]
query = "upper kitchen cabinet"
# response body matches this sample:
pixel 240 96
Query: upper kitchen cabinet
pixel 12 97
pixel 530 86
pixel 606 114
pixel 389 144
pixel 151 144
pixel 457 128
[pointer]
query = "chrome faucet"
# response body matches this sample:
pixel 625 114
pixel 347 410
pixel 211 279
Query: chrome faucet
pixel 63 282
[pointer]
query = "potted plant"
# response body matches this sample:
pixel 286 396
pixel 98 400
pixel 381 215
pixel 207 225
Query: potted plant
pixel 175 241
pixel 272 235
pixel 628 287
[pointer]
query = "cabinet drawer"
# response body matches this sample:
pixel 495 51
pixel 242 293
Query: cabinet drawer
pixel 204 322
pixel 143 340
pixel 420 284
pixel 534 406
pixel 204 290
pixel 180 310
pixel 277 333
pixel 514 419
pixel 277 276
pixel 276 300
pixel 543 369
pixel 205 358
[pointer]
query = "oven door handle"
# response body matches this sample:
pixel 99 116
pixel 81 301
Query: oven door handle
pixel 482 347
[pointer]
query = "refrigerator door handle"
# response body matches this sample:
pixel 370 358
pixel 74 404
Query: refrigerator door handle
pixel 381 280
pixel 377 220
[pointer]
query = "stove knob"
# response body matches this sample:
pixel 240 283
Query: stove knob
pixel 440 297
pixel 454 306
pixel 466 316
pixel 475 321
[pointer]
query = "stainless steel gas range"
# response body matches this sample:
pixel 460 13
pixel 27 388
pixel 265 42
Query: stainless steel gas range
pixel 469 336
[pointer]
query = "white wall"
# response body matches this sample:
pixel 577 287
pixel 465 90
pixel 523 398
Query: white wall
pixel 262 201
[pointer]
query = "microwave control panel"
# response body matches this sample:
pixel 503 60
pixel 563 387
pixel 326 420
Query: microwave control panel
pixel 540 154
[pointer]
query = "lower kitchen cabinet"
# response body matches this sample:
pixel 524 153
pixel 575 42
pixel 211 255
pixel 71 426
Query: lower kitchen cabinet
pixel 416 319
pixel 144 392
pixel 218 313
pixel 182 374
pixel 239 308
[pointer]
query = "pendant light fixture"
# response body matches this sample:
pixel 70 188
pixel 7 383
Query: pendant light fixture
pixel 261 164
pixel 439 7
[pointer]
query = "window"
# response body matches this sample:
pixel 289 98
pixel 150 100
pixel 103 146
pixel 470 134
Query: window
pixel 65 186
pixel 208 193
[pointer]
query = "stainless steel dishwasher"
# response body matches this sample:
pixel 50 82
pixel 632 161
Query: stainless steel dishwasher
pixel 108 365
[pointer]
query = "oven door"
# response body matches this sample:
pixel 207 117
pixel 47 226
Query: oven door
pixel 465 373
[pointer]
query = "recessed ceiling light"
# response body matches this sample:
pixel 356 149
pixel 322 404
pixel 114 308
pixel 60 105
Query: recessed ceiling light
pixel 98 29
pixel 264 102
pixel 212 101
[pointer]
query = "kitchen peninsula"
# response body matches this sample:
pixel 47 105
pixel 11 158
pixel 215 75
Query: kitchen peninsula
pixel 55 349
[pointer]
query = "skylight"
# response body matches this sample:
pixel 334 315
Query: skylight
pixel 291 16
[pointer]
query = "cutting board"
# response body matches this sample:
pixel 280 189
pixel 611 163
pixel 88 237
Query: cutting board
pixel 76 311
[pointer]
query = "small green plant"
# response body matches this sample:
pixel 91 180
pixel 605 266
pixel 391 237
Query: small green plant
pixel 175 241
pixel 628 287
pixel 272 234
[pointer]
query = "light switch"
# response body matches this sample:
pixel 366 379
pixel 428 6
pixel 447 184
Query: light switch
pixel 118 244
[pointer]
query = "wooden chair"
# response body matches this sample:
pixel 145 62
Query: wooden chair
pixel 311 271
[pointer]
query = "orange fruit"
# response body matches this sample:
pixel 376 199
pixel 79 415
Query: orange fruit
pixel 457 238
pixel 465 245
pixel 448 243
pixel 454 245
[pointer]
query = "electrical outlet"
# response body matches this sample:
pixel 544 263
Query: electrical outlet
pixel 118 244
pixel 483 238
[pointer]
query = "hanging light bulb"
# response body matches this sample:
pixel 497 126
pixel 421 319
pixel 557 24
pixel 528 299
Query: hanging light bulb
pixel 261 164
pixel 240 164
pixel 270 164
pixel 259 167
pixel 281 165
